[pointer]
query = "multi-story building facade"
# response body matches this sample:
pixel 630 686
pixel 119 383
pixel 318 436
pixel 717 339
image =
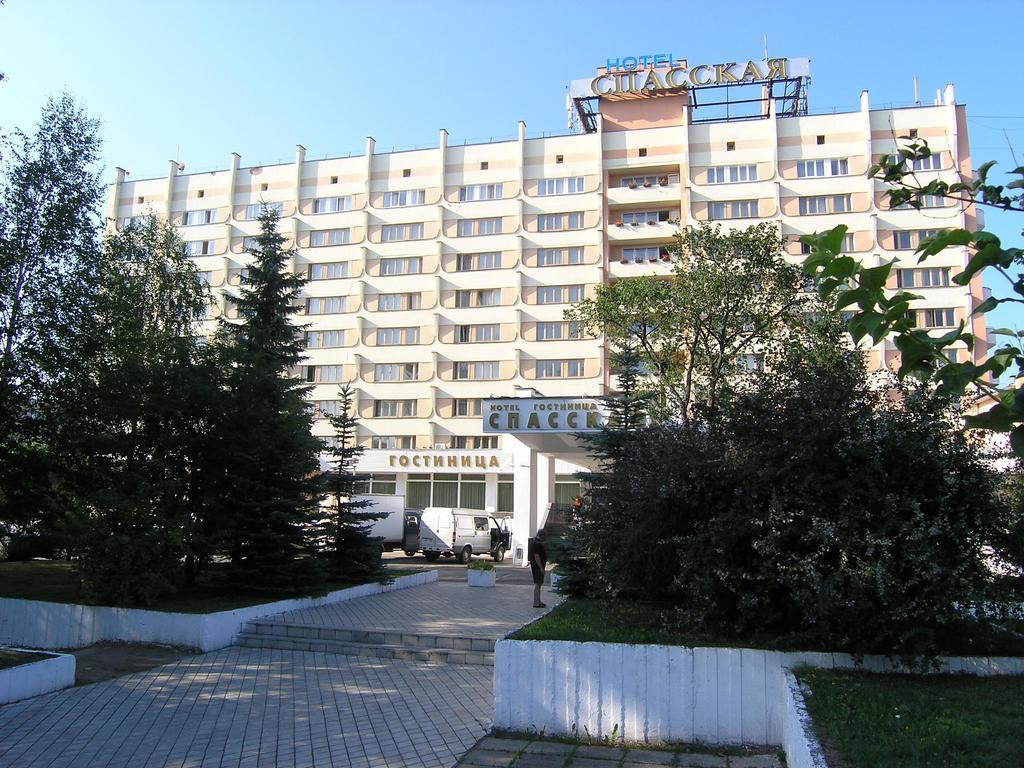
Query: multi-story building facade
pixel 438 278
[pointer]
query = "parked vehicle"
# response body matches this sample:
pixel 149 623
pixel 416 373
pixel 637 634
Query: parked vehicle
pixel 459 533
pixel 391 530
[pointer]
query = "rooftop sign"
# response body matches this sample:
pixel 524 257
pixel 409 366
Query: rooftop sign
pixel 650 74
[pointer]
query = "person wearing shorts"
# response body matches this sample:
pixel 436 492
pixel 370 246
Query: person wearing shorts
pixel 538 562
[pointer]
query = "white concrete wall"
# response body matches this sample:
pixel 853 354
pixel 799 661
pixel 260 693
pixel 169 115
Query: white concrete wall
pixel 798 739
pixel 37 624
pixel 654 693
pixel 38 677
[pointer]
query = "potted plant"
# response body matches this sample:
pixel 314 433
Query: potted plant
pixel 480 573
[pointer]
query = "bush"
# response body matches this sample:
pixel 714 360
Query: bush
pixel 816 506
pixel 480 565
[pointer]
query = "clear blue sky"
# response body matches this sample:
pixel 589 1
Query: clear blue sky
pixel 198 79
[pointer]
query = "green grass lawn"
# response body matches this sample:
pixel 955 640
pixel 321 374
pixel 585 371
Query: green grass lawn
pixel 16 658
pixel 623 621
pixel 910 721
pixel 58 582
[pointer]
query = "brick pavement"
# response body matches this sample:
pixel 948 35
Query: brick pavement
pixel 495 752
pixel 256 707
pixel 444 608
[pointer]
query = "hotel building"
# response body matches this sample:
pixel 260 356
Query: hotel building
pixel 438 277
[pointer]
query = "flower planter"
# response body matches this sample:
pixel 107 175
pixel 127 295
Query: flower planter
pixel 481 578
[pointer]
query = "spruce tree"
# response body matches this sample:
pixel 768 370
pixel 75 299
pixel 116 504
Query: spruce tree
pixel 602 516
pixel 272 481
pixel 350 552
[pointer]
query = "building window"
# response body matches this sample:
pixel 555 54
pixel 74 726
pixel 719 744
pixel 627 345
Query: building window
pixel 642 152
pixel 406 173
pixel 484 165
pixel 332 204
pixel 473 262
pixel 749 363
pixel 396 371
pixel 839 166
pixel 477 371
pixel 905 240
pixel 732 209
pixel 250 243
pixel 394 337
pixel 325 339
pixel 200 247
pixel 134 221
pixel 568 185
pixel 645 217
pixel 810 206
pixel 928 277
pixel 467 406
pixel 324 408
pixel 559 159
pixel 323 373
pixel 404 198
pixel 407 265
pixel 820 139
pixel 391 233
pixel 933 318
pixel 474 192
pixel 557 257
pixel 559 294
pixel 506 493
pixel 474 443
pixel 559 222
pixel 376 484
pixel 481 332
pixel 474 227
pixel 478 297
pixel 397 302
pixel 394 409
pixel 730 146
pixel 192 218
pixel 558 330
pixel 731 174
pixel 325 305
pixel 253 210
pixel 451 490
pixel 334 270
pixel 559 369
pixel 321 238
pixel 393 443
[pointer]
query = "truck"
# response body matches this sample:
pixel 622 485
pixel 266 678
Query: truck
pixel 391 529
pixel 461 533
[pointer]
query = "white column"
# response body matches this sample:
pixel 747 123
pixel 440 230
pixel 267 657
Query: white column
pixel 545 487
pixel 524 504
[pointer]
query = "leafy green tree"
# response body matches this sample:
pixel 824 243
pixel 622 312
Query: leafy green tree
pixel 730 297
pixel 878 313
pixel 49 252
pixel 351 553
pixel 143 412
pixel 817 508
pixel 272 482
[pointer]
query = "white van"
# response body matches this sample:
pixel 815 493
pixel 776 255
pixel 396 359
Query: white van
pixel 462 533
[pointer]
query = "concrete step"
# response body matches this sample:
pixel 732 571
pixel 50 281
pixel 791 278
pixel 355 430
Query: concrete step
pixel 370 636
pixel 434 655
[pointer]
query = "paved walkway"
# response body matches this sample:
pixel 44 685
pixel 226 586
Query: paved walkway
pixel 493 752
pixel 442 608
pixel 242 707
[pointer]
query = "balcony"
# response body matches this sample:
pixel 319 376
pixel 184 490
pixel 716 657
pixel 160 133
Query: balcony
pixel 650 232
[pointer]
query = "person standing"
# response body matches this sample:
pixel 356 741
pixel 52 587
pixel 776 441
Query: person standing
pixel 538 562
